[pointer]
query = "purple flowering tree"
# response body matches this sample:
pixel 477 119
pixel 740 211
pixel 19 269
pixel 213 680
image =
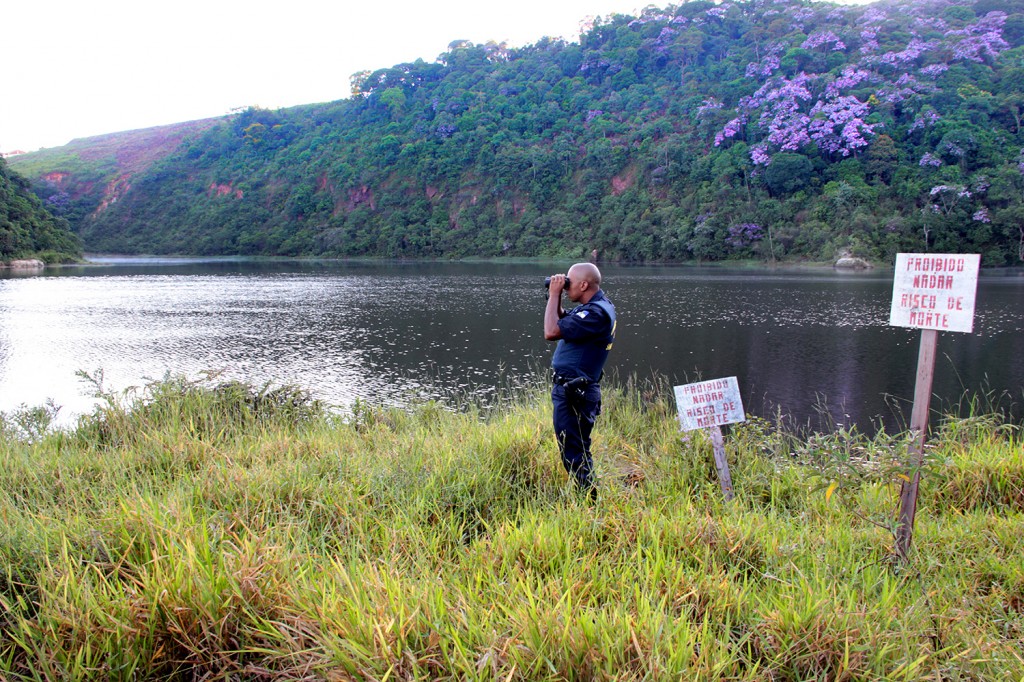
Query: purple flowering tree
pixel 838 127
pixel 743 235
pixel 833 112
pixel 835 123
pixel 819 38
pixel 982 39
pixel 945 198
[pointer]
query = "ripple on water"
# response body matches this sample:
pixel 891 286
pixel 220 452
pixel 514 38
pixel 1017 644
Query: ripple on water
pixel 383 333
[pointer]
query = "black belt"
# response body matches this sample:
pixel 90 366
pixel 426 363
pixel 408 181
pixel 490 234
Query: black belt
pixel 582 382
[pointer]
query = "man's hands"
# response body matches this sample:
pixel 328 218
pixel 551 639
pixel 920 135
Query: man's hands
pixel 553 310
pixel 557 285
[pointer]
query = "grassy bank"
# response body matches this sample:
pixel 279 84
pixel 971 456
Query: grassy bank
pixel 230 533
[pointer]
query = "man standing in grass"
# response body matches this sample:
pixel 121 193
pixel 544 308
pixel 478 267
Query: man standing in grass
pixel 585 335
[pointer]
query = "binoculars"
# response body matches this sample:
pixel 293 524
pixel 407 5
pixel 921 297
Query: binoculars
pixel 547 282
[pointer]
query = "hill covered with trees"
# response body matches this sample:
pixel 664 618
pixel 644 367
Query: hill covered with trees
pixel 29 230
pixel 767 129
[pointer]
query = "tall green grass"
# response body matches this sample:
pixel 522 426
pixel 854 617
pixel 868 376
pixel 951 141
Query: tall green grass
pixel 197 531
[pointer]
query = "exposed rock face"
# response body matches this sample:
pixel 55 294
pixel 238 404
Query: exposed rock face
pixel 28 264
pixel 851 263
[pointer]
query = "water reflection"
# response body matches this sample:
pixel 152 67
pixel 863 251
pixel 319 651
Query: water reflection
pixel 385 331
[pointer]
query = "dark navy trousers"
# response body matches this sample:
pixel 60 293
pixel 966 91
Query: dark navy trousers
pixel 574 416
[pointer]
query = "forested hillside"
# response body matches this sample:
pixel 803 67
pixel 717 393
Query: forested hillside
pixel 766 129
pixel 26 228
pixel 81 178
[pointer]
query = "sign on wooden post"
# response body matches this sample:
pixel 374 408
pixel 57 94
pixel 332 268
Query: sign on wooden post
pixel 932 292
pixel 708 405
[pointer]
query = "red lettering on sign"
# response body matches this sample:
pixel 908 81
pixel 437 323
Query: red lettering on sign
pixel 936 264
pixel 933 281
pixel 929 319
pixel 917 301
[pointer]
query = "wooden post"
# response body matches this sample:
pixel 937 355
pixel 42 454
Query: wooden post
pixel 721 463
pixel 918 430
pixel 707 405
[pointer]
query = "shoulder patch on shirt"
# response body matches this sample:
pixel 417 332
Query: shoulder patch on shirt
pixel 582 313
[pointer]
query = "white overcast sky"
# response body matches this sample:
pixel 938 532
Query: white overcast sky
pixel 75 68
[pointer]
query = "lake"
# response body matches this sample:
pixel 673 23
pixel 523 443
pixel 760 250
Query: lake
pixel 801 341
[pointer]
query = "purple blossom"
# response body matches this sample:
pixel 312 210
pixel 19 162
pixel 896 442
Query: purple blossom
pixel 981 215
pixel 953 149
pixel 914 49
pixel 869 42
pixel 819 38
pixel 975 48
pixel 850 77
pixel 717 12
pixel 781 115
pixel 946 197
pixel 837 15
pixel 710 104
pixel 731 129
pixel 980 39
pixel 903 88
pixel 801 15
pixel 838 125
pixel 926 118
pixel 743 235
pixel 759 154
pixel 981 185
pixel 665 36
pixel 592 114
pixel 931 22
pixel 933 70
pixel 764 68
pixel 929 160
pixel 873 16
pixel 58 202
pixel 993 21
pixel 769 63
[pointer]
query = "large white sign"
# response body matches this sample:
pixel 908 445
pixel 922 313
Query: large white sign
pixel 935 291
pixel 709 403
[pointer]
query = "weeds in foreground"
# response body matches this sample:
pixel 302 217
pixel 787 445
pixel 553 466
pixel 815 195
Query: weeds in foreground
pixel 195 530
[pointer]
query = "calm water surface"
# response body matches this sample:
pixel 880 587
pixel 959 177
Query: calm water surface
pixel 797 340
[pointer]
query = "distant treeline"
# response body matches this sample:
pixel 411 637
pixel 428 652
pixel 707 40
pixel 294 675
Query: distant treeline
pixel 707 131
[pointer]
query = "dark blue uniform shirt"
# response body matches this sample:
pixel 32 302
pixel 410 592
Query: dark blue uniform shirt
pixel 588 332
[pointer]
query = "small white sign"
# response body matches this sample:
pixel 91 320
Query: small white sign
pixel 709 403
pixel 935 291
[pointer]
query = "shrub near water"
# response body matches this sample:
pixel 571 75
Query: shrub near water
pixel 209 532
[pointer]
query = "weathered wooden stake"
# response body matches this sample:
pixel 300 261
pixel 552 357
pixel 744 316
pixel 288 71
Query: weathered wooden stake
pixel 918 429
pixel 721 463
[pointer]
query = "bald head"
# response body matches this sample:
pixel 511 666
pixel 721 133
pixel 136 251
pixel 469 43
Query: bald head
pixel 589 279
pixel 586 272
